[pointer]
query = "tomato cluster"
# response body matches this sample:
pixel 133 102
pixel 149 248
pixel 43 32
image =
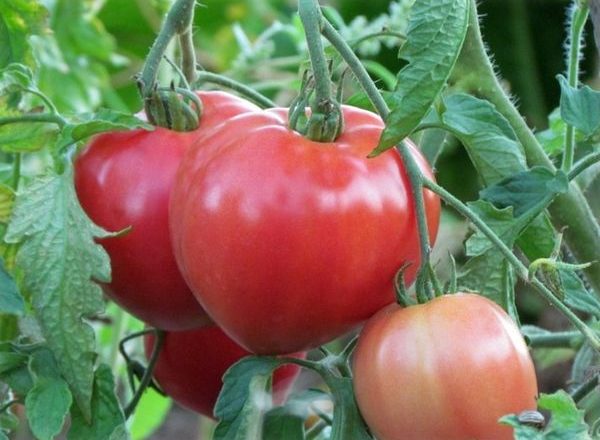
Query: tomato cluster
pixel 286 244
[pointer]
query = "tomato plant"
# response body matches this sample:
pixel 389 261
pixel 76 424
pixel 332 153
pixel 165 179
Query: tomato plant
pixel 192 363
pixel 297 243
pixel 444 370
pixel 124 180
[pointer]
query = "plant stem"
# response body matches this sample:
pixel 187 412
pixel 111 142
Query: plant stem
pixel 556 340
pixel 188 56
pixel 520 269
pixel 325 120
pixel 119 325
pixel 585 388
pixel 414 172
pixel 34 117
pixel 158 343
pixel 16 171
pixel 178 20
pixel 248 92
pixel 583 165
pixel 571 211
pixel 579 14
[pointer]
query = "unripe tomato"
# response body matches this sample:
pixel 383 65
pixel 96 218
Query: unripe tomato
pixel 444 370
pixel 289 243
pixel 191 365
pixel 124 179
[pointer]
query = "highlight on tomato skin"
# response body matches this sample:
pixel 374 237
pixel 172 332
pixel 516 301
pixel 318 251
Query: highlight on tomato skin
pixel 191 365
pixel 444 370
pixel 270 223
pixel 124 180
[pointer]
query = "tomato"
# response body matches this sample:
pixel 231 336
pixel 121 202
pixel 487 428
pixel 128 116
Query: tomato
pixel 444 370
pixel 289 243
pixel 191 365
pixel 124 179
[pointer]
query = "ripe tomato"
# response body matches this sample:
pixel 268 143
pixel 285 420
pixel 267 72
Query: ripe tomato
pixel 445 370
pixel 191 365
pixel 289 243
pixel 125 179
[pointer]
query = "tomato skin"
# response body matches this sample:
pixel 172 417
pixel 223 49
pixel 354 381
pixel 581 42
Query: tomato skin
pixel 290 243
pixel 125 179
pixel 445 370
pixel 192 363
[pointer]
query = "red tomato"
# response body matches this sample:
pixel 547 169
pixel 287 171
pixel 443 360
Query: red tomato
pixel 125 179
pixel 192 363
pixel 289 243
pixel 445 370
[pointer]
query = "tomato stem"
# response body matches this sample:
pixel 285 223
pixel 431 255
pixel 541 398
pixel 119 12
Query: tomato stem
pixel 475 72
pixel 424 288
pixel 584 164
pixel 585 388
pixel 572 339
pixel 520 268
pixel 147 378
pixel 325 121
pixel 52 118
pixel 578 16
pixel 188 56
pixel 247 92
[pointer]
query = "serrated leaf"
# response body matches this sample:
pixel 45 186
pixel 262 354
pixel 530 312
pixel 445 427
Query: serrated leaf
pixel 107 419
pixel 578 107
pixel 436 32
pixel 241 382
pixel 47 403
pixel 60 260
pixel 566 422
pixel 18 20
pixel 576 294
pixel 526 190
pixel 88 124
pixel 11 300
pixel 487 136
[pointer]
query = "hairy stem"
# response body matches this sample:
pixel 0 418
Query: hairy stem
pixel 570 211
pixel 579 14
pixel 247 92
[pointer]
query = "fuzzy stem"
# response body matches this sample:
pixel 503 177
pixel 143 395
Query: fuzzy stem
pixel 584 164
pixel 520 268
pixel 571 211
pixel 579 14
pixel 248 92
pixel 556 340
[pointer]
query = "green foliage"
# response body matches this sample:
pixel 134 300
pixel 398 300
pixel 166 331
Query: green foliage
pixel 18 20
pixel 439 28
pixel 11 300
pixel 566 421
pixel 579 108
pixel 47 403
pixel 60 260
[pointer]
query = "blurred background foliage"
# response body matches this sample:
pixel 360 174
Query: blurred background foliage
pixel 86 53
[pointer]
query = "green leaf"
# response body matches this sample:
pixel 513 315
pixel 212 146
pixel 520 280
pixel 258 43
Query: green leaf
pixel 149 414
pixel 11 300
pixel 85 125
pixel 487 136
pixel 585 359
pixel 235 408
pixel 576 294
pixel 526 190
pixel 287 422
pixel 107 421
pixel 579 107
pixel 436 33
pixel 553 138
pixel 15 76
pixel 48 402
pixel 565 423
pixel 10 360
pixel 27 137
pixel 18 20
pixel 60 260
